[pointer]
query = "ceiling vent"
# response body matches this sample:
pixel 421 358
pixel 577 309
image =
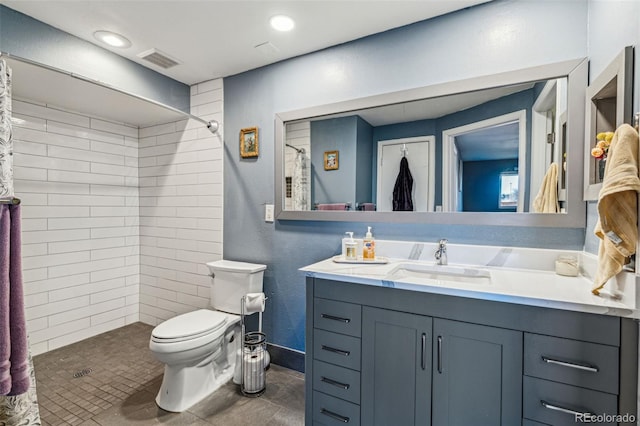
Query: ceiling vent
pixel 158 58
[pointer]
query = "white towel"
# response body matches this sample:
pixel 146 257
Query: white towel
pixel 618 206
pixel 547 199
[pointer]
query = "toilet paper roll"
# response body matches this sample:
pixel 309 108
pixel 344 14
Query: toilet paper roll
pixel 253 380
pixel 254 302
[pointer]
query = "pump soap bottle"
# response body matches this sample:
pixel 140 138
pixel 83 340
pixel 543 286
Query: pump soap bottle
pixel 350 246
pixel 368 246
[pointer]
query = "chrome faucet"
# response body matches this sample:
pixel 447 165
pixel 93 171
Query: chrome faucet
pixel 441 253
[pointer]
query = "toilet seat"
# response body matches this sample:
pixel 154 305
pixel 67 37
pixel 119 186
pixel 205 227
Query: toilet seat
pixel 189 326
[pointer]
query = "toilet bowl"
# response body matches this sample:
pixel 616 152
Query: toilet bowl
pixel 200 348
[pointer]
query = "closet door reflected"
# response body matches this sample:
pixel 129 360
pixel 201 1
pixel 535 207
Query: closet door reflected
pixel 420 154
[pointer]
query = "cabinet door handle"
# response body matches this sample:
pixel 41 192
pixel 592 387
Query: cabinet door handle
pixel 335 351
pixel 440 354
pixel 334 318
pixel 335 383
pixel 585 367
pixel 334 416
pixel 545 404
pixel 423 361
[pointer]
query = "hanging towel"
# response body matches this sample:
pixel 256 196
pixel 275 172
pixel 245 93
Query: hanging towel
pixel 333 206
pixel 14 366
pixel 547 199
pixel 402 200
pixel 618 206
pixel 368 207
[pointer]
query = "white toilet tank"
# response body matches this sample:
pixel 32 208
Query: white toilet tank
pixel 231 280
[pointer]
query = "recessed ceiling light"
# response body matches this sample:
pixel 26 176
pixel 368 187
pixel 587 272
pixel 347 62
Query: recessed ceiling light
pixel 282 23
pixel 112 39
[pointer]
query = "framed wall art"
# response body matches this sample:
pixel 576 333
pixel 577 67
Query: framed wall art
pixel 249 142
pixel 331 160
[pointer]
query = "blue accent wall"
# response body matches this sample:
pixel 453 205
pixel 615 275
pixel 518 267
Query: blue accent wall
pixel 493 37
pixel 364 171
pixel 336 134
pixel 28 38
pixel 481 185
pixel 351 137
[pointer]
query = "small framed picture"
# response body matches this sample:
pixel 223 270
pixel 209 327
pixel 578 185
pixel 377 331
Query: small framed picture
pixel 249 142
pixel 331 160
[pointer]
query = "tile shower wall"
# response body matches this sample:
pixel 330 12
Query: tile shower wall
pixel 78 179
pixel 180 209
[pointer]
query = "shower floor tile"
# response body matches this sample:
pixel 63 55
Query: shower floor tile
pixel 112 379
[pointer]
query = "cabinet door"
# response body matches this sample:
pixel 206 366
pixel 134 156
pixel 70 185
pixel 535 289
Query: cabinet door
pixel 477 377
pixel 396 368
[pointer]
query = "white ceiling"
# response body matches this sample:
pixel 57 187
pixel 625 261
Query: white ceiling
pixel 216 38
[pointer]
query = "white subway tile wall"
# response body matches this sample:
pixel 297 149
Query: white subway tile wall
pixel 117 221
pixel 77 177
pixel 180 169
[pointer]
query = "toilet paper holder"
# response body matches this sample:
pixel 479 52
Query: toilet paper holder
pixel 254 357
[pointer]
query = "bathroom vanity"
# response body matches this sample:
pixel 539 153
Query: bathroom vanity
pixel 411 343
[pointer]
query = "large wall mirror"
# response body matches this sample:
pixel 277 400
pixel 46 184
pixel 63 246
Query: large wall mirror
pixel 478 151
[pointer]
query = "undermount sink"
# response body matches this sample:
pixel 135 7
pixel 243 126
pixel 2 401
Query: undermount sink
pixel 440 272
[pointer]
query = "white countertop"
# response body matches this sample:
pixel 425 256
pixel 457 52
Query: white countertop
pixel 536 284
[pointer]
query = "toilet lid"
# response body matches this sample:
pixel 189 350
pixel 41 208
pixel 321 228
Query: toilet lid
pixel 190 325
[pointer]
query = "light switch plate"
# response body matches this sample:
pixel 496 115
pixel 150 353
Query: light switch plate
pixel 268 212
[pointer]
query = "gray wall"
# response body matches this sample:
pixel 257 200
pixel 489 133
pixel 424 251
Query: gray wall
pixel 494 37
pixel 336 134
pixel 27 38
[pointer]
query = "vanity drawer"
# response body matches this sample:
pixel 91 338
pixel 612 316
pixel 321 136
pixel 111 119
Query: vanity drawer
pixel 340 317
pixel 337 349
pixel 336 381
pixel 557 404
pixel 584 364
pixel 329 411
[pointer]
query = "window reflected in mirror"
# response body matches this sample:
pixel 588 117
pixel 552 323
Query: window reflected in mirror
pixel 508 191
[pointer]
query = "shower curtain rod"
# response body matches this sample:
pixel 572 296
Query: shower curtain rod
pixel 301 150
pixel 212 125
pixel 15 201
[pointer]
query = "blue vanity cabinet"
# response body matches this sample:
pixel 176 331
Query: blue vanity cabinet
pixel 378 355
pixel 397 361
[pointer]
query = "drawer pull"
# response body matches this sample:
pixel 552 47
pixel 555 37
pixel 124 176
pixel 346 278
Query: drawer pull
pixel 332 382
pixel 334 416
pixel 585 367
pixel 440 354
pixel 334 318
pixel 335 351
pixel 423 360
pixel 565 410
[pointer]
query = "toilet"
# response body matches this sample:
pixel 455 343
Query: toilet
pixel 201 349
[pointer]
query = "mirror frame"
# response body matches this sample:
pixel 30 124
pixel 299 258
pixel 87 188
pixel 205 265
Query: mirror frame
pixel 576 70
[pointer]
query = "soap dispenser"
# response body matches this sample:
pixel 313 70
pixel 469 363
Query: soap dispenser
pixel 350 247
pixel 368 246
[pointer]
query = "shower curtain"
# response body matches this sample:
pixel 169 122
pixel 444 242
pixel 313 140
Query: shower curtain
pixel 299 184
pixel 18 400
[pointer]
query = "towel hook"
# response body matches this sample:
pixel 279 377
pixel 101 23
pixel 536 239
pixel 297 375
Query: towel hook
pixel 404 150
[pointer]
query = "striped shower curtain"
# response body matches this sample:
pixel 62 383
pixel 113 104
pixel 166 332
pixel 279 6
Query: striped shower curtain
pixel 18 400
